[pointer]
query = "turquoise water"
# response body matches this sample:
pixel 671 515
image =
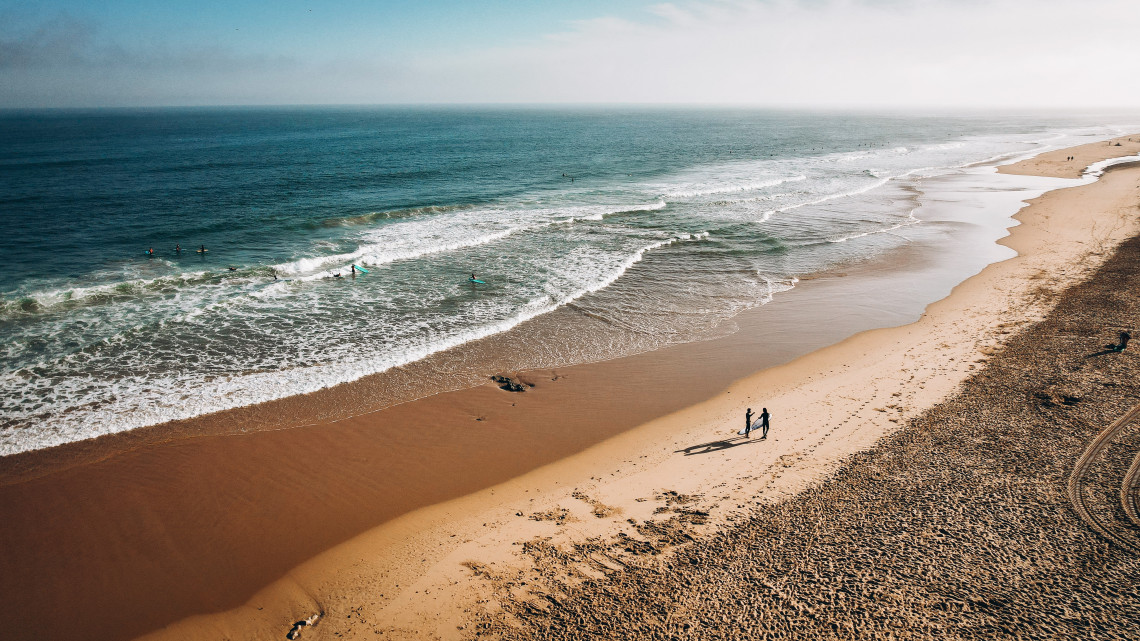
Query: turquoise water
pixel 660 223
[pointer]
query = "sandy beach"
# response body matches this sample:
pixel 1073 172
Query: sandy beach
pixel 989 516
pixel 325 513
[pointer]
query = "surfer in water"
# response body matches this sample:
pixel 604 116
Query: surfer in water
pixel 202 249
pixel 178 249
pixel 150 251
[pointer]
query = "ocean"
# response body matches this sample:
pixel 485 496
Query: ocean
pixel 643 227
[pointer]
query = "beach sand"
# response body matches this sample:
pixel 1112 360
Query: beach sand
pixel 963 525
pixel 140 531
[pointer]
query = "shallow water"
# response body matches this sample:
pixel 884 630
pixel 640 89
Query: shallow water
pixel 652 226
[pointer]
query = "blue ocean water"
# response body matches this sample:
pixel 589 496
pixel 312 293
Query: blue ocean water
pixel 659 222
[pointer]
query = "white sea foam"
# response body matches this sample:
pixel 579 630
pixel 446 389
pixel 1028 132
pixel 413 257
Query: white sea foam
pixel 906 223
pixel 687 191
pixel 775 286
pixel 409 240
pixel 46 299
pixel 946 146
pixel 1097 170
pixel 829 197
pixel 140 400
pixel 564 246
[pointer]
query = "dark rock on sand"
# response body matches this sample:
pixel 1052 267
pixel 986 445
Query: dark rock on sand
pixel 510 384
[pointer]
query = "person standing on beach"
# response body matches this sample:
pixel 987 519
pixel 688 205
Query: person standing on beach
pixel 748 423
pixel 764 416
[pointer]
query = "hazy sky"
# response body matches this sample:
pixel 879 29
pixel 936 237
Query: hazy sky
pixel 871 53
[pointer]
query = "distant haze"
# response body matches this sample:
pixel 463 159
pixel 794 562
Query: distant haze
pixel 822 53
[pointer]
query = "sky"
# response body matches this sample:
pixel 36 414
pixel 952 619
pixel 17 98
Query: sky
pixel 797 53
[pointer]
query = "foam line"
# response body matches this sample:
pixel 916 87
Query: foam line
pixel 126 411
pixel 373 254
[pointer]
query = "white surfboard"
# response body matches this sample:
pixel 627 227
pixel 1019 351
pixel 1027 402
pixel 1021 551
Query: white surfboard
pixel 756 425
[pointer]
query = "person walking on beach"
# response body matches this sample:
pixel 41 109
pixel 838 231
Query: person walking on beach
pixel 764 416
pixel 748 423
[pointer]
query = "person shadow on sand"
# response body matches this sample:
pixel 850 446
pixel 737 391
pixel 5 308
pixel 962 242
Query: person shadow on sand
pixel 714 446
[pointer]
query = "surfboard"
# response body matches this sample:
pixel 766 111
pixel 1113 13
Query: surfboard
pixel 201 251
pixel 756 427
pixel 360 269
pixel 476 280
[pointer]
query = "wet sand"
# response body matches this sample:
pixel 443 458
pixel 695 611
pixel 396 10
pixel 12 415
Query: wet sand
pixel 137 532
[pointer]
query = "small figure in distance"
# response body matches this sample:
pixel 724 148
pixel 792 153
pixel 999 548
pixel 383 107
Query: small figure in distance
pixel 233 269
pixel 178 249
pixel 764 416
pixel 748 423
pixel 1125 336
pixel 150 251
pixel 202 249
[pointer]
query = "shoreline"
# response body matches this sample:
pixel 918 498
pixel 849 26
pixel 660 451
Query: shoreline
pixel 405 537
pixel 344 400
pixel 980 519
